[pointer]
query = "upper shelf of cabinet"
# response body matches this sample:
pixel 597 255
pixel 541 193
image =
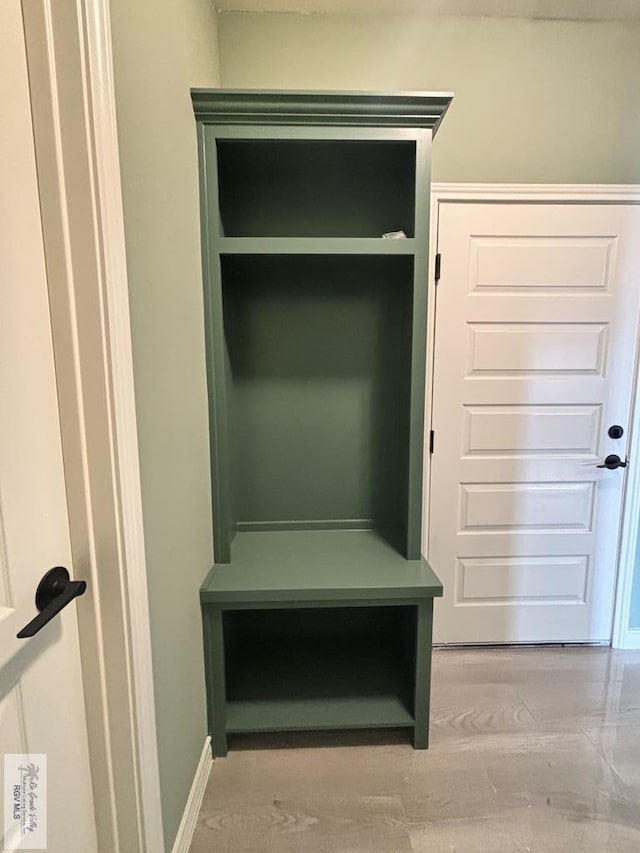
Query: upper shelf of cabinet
pixel 316 188
pixel 364 109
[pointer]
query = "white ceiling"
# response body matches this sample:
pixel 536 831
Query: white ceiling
pixel 573 10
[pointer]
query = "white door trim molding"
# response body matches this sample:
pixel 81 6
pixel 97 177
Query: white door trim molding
pixel 624 637
pixel 630 640
pixel 119 354
pixel 73 104
pixel 194 801
pixel 588 193
pixel 443 193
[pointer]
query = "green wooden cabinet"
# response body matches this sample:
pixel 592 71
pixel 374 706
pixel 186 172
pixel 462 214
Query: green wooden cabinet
pixel 317 612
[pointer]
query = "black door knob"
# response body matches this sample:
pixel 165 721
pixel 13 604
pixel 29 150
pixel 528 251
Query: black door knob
pixel 55 591
pixel 612 462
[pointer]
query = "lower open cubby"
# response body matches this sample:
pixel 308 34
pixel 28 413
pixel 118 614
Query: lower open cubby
pixel 317 629
pixel 348 667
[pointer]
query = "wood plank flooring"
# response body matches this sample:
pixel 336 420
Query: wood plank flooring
pixel 533 750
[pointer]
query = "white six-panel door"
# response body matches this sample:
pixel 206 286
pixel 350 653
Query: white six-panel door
pixel 536 326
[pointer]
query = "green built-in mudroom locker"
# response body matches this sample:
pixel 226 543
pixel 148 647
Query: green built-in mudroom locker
pixel 315 233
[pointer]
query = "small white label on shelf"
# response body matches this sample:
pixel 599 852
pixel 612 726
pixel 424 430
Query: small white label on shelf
pixel 394 235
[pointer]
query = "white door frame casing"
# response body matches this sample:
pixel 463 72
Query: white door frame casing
pixel 626 194
pixel 73 106
pixel 624 637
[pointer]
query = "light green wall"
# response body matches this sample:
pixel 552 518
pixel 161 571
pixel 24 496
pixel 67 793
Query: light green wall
pixel 536 101
pixel 160 50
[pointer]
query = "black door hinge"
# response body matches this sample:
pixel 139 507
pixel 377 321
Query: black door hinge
pixel 438 266
pixel 431 438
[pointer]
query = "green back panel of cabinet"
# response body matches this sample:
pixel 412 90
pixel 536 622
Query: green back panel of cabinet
pixel 319 401
pixel 316 188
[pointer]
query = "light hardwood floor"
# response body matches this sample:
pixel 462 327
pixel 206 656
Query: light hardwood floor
pixel 532 750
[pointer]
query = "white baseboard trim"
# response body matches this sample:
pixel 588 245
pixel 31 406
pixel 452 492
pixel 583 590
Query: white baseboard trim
pixel 194 801
pixel 630 639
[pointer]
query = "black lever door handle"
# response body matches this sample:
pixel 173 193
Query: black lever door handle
pixel 55 591
pixel 612 462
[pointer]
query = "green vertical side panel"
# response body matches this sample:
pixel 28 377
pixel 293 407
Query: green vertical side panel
pixel 215 677
pixel 215 347
pixel 422 697
pixel 419 346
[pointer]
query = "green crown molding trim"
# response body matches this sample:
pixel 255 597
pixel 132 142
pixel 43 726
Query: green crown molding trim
pixel 364 109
